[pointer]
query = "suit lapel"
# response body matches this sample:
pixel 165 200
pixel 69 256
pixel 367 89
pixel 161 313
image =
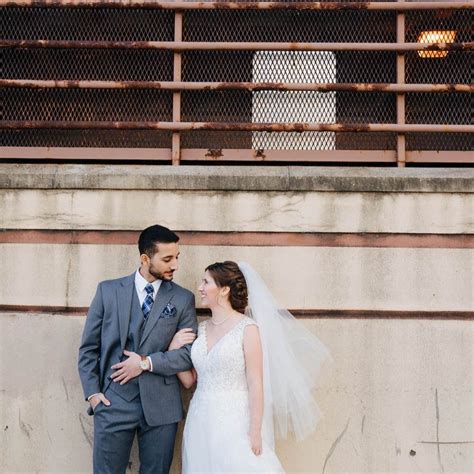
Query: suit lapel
pixel 163 297
pixel 124 302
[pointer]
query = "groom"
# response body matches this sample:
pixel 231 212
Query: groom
pixel 127 373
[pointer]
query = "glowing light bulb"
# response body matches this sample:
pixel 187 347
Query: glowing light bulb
pixel 437 36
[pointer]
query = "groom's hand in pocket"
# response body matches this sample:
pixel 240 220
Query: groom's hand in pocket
pixel 98 398
pixel 128 369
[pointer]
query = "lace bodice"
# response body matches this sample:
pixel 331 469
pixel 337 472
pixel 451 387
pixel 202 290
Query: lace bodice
pixel 223 368
pixel 216 439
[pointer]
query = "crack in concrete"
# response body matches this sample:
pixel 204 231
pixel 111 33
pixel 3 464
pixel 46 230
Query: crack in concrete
pixel 25 427
pixel 437 431
pixel 446 442
pixel 398 450
pixel 65 388
pixel 336 442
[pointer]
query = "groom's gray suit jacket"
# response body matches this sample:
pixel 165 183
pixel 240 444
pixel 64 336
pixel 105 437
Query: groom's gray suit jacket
pixel 105 337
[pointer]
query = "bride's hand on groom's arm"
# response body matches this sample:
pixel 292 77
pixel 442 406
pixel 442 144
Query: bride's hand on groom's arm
pixel 181 338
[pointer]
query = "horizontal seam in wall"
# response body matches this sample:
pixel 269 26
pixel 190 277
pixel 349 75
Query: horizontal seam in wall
pixel 244 239
pixel 299 313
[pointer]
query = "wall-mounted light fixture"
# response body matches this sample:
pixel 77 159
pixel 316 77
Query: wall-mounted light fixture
pixel 437 36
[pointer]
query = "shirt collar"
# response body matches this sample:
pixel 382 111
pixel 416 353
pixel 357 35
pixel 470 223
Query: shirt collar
pixel 140 283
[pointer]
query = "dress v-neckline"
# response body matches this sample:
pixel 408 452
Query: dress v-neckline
pixel 208 351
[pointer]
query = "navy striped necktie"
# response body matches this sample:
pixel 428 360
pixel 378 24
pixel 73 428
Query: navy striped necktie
pixel 148 301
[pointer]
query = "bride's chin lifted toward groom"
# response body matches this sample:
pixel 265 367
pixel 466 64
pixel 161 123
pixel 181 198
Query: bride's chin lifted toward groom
pixel 128 374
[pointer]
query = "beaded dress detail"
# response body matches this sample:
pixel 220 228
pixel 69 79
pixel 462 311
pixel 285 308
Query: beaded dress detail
pixel 216 432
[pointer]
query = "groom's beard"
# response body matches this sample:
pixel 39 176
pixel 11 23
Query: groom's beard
pixel 168 276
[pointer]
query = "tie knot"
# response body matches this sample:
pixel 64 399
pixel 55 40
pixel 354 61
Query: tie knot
pixel 149 289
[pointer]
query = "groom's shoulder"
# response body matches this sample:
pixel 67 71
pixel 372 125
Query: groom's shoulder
pixel 114 282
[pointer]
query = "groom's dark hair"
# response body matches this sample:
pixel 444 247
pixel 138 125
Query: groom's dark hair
pixel 153 235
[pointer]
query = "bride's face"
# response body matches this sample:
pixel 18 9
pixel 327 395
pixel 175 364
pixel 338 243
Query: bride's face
pixel 210 293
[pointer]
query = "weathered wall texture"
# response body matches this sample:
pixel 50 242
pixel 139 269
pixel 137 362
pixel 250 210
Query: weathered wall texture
pixel 395 386
pixel 379 262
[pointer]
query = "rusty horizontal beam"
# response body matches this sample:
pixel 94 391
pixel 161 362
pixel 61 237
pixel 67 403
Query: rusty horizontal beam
pixel 231 126
pixel 250 86
pixel 232 155
pixel 235 46
pixel 223 5
pixel 197 154
pixel 85 153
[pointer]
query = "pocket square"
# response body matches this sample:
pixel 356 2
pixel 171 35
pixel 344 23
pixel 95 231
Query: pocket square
pixel 169 311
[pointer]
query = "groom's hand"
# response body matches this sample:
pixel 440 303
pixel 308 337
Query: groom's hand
pixel 128 369
pixel 97 398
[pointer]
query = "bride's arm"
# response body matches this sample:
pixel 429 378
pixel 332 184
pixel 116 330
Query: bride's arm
pixel 254 373
pixel 181 338
pixel 187 378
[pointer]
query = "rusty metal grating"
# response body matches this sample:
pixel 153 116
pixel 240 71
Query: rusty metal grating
pixel 82 64
pixel 87 105
pixel 217 66
pixel 87 138
pixel 440 141
pixel 304 26
pixel 105 24
pixel 343 107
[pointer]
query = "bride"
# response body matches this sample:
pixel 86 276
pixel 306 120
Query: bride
pixel 255 373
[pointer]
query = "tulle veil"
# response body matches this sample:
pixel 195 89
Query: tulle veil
pixel 292 358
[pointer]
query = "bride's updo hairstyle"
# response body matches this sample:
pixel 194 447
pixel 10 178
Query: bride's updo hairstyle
pixel 228 274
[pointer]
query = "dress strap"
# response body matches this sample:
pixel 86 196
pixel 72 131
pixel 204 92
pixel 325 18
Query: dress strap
pixel 201 328
pixel 247 322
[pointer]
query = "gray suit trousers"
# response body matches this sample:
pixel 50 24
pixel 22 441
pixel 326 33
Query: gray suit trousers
pixel 114 430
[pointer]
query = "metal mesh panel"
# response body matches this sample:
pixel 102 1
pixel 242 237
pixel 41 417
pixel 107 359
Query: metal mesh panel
pixel 87 138
pixel 439 108
pixel 453 67
pixel 454 108
pixel 216 106
pixel 294 66
pixel 87 105
pixel 91 24
pixel 366 66
pixel 233 66
pixel 79 64
pixel 289 26
pixel 439 141
pixel 96 64
pixel 293 106
pixel 217 66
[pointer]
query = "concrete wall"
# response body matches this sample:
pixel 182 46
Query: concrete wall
pixel 378 263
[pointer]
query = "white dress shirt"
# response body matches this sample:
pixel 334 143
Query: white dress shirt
pixel 140 284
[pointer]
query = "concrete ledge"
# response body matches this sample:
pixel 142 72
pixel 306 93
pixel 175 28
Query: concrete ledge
pixel 255 178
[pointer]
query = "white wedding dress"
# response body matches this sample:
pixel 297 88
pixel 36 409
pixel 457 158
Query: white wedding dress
pixel 216 432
